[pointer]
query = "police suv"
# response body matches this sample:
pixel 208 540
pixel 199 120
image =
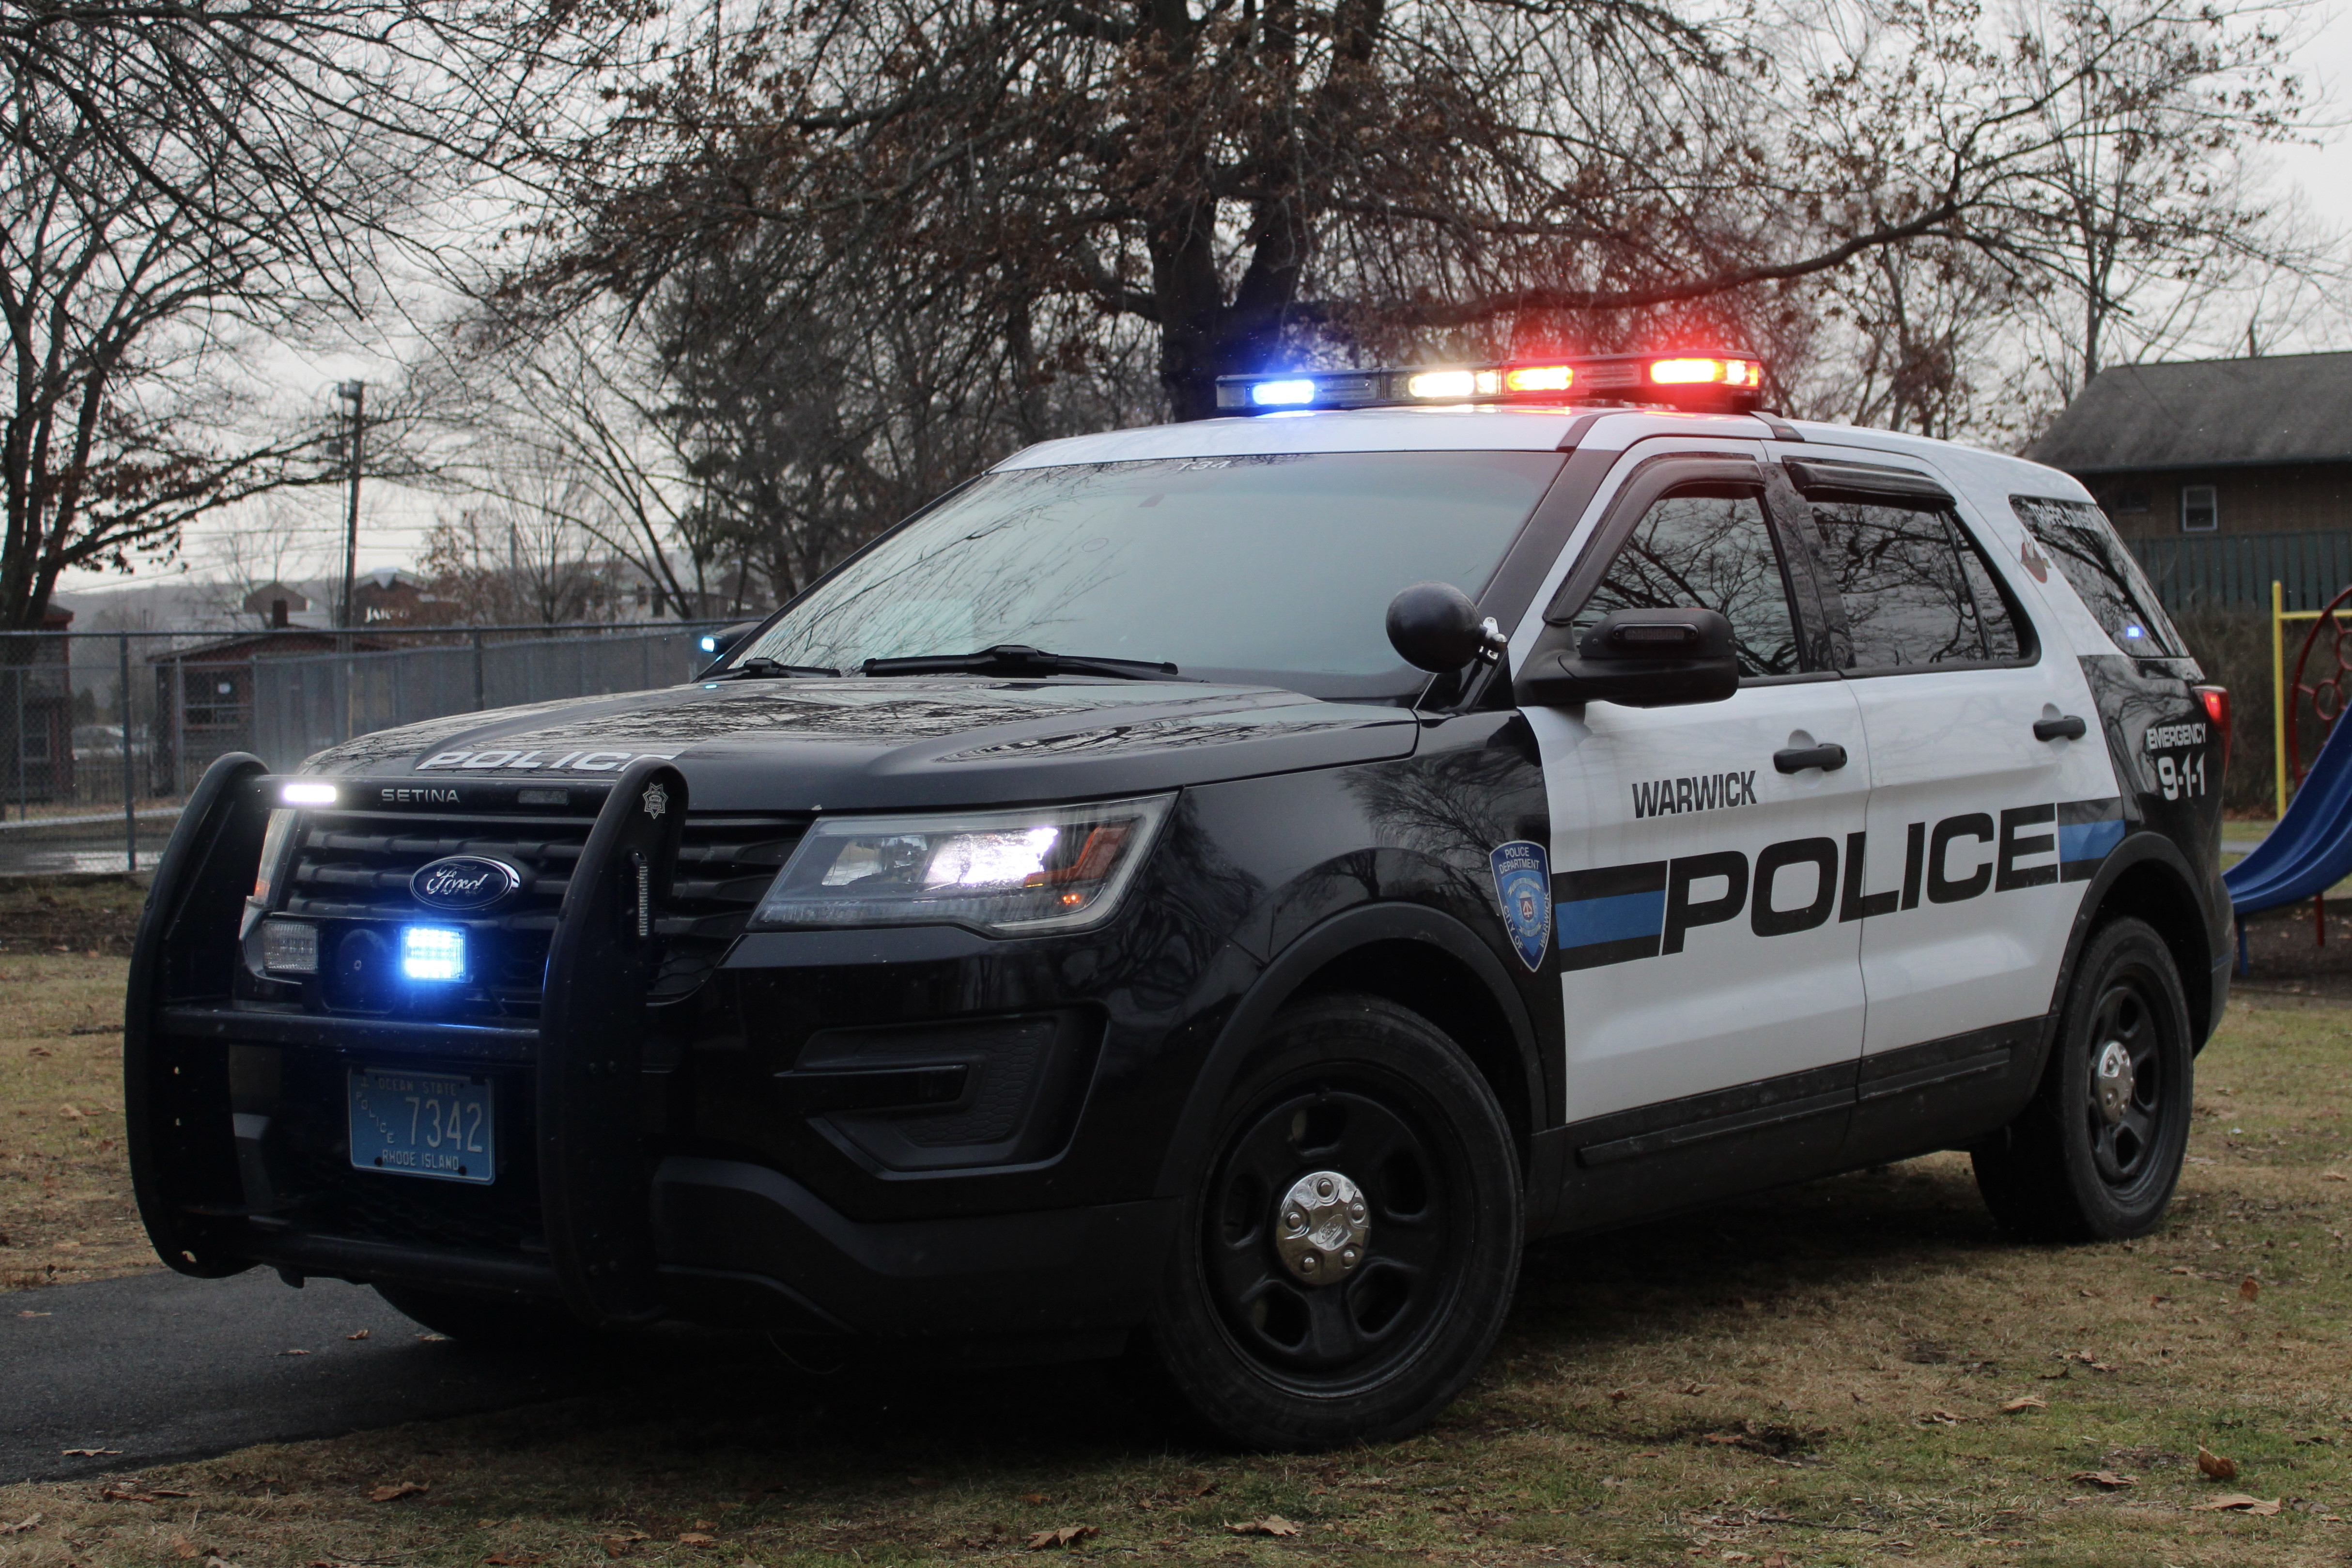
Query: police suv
pixel 1220 890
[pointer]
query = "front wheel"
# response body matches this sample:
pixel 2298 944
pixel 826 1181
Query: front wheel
pixel 1348 1250
pixel 2097 1154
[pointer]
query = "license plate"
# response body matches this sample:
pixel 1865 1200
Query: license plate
pixel 442 1125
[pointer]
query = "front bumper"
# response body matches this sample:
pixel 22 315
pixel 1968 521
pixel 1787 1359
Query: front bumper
pixel 774 1178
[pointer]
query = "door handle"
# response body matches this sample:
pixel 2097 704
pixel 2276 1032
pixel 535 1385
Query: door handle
pixel 1829 757
pixel 2070 728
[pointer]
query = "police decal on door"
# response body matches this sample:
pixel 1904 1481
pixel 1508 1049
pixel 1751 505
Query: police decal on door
pixel 1611 914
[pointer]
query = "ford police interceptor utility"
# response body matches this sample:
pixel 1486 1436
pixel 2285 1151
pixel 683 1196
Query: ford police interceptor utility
pixel 1219 891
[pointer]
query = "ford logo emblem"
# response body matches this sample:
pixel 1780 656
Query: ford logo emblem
pixel 462 882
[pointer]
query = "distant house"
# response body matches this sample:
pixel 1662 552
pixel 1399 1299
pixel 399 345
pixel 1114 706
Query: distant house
pixel 2223 474
pixel 276 604
pixel 38 694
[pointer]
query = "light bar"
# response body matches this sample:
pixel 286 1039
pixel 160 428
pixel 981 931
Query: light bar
pixel 304 793
pixel 432 952
pixel 1721 381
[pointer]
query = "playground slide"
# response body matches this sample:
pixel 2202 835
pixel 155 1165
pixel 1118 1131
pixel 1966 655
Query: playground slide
pixel 2310 850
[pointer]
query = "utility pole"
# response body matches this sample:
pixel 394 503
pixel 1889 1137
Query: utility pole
pixel 353 393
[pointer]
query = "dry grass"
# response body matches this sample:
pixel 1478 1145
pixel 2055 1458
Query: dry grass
pixel 1816 1374
pixel 65 1191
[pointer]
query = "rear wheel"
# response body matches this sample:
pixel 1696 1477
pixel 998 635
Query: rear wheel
pixel 1348 1253
pixel 514 1323
pixel 2097 1154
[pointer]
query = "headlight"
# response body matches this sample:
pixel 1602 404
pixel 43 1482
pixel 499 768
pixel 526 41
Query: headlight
pixel 1040 868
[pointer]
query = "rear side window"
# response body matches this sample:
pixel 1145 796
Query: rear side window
pixel 1917 592
pixel 2082 542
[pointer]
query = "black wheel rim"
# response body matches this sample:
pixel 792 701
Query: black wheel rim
pixel 2124 1148
pixel 1330 1337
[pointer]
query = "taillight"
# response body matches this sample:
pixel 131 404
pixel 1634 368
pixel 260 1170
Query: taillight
pixel 2216 700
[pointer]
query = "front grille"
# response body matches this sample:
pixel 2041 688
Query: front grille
pixel 724 864
pixel 350 872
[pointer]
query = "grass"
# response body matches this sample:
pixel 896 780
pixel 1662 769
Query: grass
pixel 65 1193
pixel 1817 1375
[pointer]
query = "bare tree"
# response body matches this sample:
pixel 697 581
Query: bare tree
pixel 178 186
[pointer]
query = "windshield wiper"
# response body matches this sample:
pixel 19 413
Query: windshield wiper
pixel 1013 659
pixel 757 669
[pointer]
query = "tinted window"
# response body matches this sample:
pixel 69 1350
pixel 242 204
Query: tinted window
pixel 2083 544
pixel 1710 548
pixel 1916 590
pixel 1251 566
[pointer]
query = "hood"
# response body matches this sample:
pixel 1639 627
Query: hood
pixel 859 743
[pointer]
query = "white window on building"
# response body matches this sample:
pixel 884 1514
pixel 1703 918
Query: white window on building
pixel 2200 511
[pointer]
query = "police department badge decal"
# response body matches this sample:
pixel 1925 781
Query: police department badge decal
pixel 1523 887
pixel 656 801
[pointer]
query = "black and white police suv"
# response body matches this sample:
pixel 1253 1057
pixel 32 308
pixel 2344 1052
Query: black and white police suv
pixel 1220 890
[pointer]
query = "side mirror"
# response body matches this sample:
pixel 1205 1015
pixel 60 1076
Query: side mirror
pixel 1434 626
pixel 715 646
pixel 1640 658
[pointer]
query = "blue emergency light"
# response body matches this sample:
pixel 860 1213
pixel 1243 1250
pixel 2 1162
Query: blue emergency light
pixel 1706 381
pixel 433 952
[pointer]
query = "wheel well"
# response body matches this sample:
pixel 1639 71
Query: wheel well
pixel 2151 891
pixel 1450 994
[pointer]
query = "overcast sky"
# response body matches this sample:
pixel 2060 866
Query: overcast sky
pixel 393 521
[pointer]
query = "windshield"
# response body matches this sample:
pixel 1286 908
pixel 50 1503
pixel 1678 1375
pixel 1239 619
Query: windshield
pixel 1253 568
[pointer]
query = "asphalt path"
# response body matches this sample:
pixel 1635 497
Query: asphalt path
pixel 159 1367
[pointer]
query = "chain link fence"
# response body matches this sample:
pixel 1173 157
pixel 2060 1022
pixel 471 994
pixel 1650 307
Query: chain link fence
pixel 104 734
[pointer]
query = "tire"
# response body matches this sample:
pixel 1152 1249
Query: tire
pixel 2078 1167
pixel 485 1322
pixel 1353 1086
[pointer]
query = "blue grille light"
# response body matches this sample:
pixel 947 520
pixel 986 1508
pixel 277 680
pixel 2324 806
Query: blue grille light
pixel 1282 394
pixel 2135 632
pixel 432 952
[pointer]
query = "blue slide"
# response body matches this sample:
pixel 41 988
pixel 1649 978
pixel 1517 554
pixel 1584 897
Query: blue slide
pixel 2310 850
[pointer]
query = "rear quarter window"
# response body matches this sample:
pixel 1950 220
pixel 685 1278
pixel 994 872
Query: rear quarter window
pixel 2082 543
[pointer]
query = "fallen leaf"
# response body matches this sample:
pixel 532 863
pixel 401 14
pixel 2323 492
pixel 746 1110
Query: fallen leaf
pixel 294 1352
pixel 2024 1403
pixel 1271 1524
pixel 21 1526
pixel 1695 1389
pixel 434 1338
pixel 1620 1395
pixel 183 1547
pixel 1777 1559
pixel 2334 1176
pixel 117 1494
pixel 72 1113
pixel 2215 1465
pixel 1061 1535
pixel 394 1491
pixel 1939 1418
pixel 32 1315
pixel 361 1335
pixel 86 1453
pixel 214 1560
pixel 1033 1498
pixel 2107 1478
pixel 2241 1503
pixel 2249 1287
pixel 2182 1271
pixel 694 1538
